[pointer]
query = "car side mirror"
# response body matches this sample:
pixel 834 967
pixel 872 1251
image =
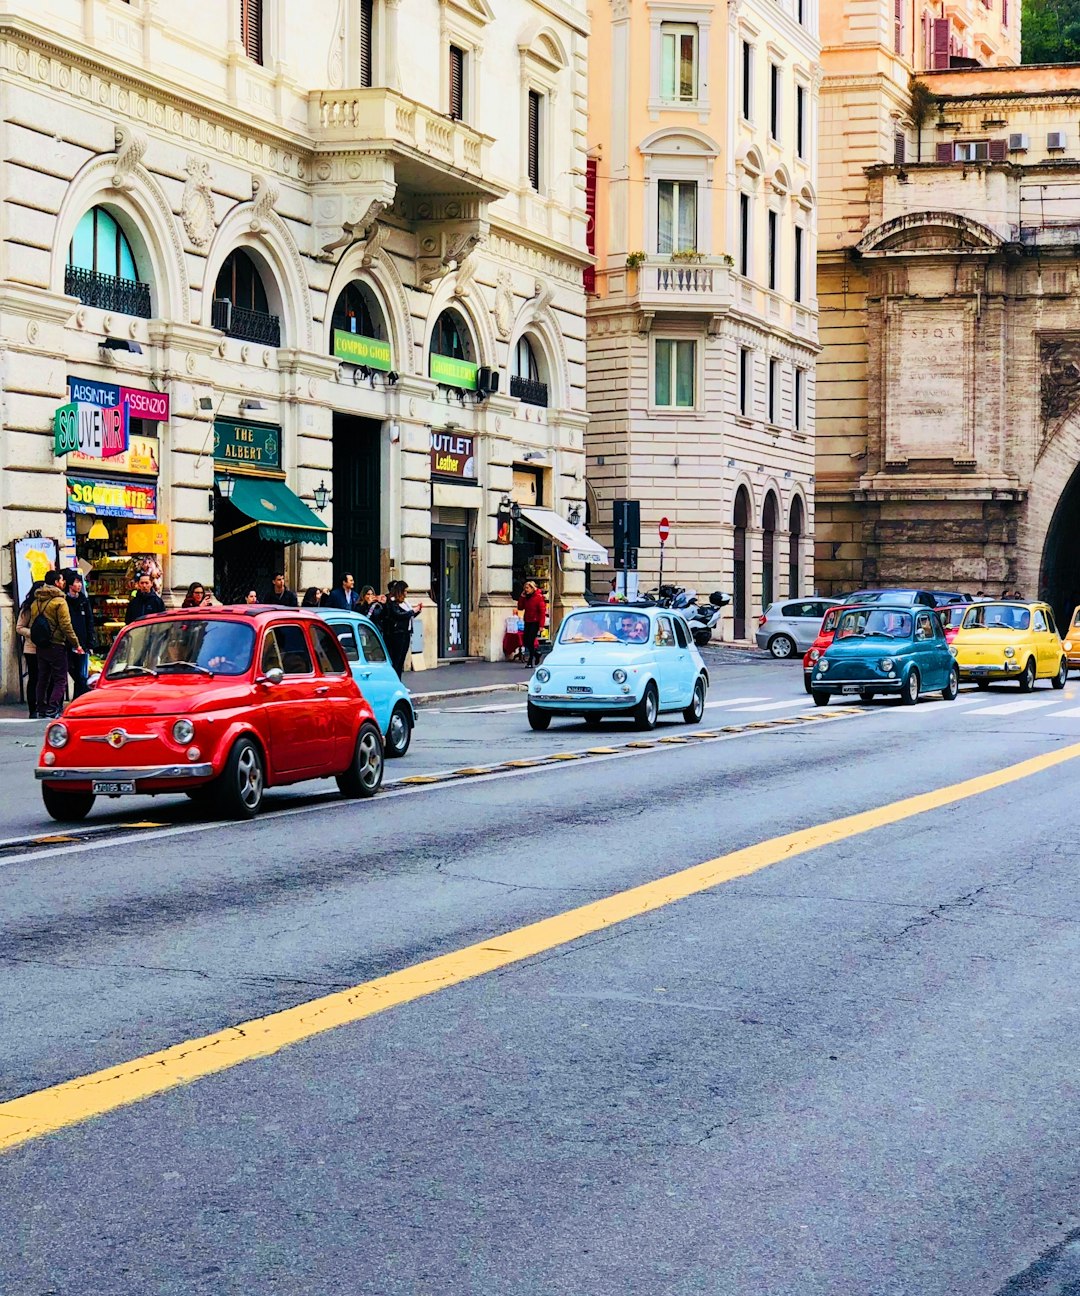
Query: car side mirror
pixel 273 676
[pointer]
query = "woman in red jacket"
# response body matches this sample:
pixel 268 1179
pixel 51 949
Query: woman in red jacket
pixel 533 611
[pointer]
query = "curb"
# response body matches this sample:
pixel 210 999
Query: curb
pixel 437 696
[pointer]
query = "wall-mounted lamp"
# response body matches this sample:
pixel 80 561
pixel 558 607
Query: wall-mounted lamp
pixel 787 473
pixel 121 344
pixel 534 456
pixel 205 404
pixel 225 485
pixel 731 463
pixel 574 516
pixel 322 496
pixel 507 505
pixel 249 404
pixel 99 531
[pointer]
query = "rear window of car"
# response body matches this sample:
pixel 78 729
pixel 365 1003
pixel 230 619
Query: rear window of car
pixel 802 609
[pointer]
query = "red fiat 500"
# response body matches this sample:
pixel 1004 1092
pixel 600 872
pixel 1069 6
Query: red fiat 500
pixel 824 638
pixel 220 704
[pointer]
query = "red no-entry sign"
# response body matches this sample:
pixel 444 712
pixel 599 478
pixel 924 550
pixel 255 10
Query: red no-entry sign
pixel 664 529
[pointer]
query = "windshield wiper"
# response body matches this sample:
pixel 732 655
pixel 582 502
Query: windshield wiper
pixel 132 670
pixel 183 665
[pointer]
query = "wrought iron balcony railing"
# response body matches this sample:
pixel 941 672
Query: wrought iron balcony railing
pixel 108 292
pixel 529 391
pixel 247 325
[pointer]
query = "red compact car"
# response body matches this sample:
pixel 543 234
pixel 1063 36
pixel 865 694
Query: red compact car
pixel 824 638
pixel 220 704
pixel 951 617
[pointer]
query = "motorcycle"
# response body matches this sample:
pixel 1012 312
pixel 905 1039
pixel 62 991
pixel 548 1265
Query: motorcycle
pixel 703 619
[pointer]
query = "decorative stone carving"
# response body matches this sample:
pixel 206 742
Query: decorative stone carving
pixel 543 293
pixel 456 246
pixel 466 274
pixel 363 229
pixel 1060 378
pixel 130 147
pixel 197 203
pixel 264 196
pixel 503 309
pixel 335 67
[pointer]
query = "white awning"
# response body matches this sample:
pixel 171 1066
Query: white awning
pixel 570 539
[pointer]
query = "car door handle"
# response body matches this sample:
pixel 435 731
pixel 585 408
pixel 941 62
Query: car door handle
pixel 324 689
pixel 365 674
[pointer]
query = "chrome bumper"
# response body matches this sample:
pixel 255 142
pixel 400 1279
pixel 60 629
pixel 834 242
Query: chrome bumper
pixel 837 686
pixel 583 699
pixel 140 774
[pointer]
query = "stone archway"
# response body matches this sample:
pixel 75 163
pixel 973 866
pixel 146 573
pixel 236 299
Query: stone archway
pixel 1059 570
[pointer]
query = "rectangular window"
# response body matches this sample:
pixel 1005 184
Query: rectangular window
pixel 536 105
pixel 774 238
pixel 457 83
pixel 745 372
pixel 1004 13
pixel 800 235
pixel 898 26
pixel 800 10
pixel 747 81
pixel 678 63
pixel 971 150
pixel 899 148
pixel 800 121
pixel 676 225
pixel 251 29
pixel 800 400
pixel 674 377
pixel 744 235
pixel 367 19
pixel 774 389
pixel 774 101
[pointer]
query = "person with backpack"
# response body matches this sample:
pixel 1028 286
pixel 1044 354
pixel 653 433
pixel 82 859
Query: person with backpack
pixel 82 622
pixel 22 629
pixel 52 634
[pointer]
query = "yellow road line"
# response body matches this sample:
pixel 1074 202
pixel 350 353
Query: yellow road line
pixel 48 1110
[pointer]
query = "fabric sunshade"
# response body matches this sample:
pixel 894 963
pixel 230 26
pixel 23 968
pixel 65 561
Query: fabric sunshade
pixel 570 539
pixel 281 516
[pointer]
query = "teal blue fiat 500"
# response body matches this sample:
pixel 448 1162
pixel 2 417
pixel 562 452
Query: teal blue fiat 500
pixel 887 650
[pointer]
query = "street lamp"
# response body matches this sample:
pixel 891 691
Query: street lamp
pixel 322 496
pixel 574 516
pixel 225 485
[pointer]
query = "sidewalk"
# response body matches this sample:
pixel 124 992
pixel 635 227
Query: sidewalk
pixel 455 679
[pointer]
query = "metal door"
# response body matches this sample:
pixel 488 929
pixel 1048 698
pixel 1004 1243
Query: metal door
pixel 452 591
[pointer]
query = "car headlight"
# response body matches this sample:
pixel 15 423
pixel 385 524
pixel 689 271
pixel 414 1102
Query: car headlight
pixel 823 666
pixel 887 663
pixel 57 736
pixel 543 674
pixel 183 731
pixel 619 676
pixel 1010 652
pixel 815 653
pixel 952 650
pixel 1067 645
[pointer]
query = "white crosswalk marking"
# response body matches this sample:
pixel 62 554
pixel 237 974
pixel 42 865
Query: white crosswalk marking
pixel 1012 708
pixel 730 702
pixel 1071 713
pixel 788 704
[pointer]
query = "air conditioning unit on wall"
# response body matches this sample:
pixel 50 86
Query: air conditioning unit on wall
pixel 1055 142
pixel 1019 143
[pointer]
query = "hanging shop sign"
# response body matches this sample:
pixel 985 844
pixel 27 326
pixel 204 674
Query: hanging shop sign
pixel 90 430
pixel 451 372
pixel 150 405
pixel 142 458
pixel 247 445
pixel 356 349
pixel 452 456
pixel 112 498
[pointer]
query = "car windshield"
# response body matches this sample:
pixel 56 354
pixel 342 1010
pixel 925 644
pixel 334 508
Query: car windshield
pixel 605 626
pixel 830 619
pixel 997 616
pixel 174 647
pixel 951 616
pixel 874 621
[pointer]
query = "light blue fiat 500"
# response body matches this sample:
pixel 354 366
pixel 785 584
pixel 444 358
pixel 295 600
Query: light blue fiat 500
pixel 370 665
pixel 623 661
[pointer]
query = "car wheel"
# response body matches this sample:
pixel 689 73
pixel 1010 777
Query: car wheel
pixel 364 776
pixel 806 682
pixel 696 709
pixel 909 695
pixel 982 685
pixel 782 645
pixel 1027 680
pixel 821 698
pixel 538 720
pixel 399 734
pixel 593 722
pixel 866 696
pixel 242 782
pixel 951 689
pixel 1063 674
pixel 67 807
pixel 647 709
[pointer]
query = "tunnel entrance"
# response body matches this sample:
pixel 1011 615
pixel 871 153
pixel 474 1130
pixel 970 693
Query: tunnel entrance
pixel 1059 572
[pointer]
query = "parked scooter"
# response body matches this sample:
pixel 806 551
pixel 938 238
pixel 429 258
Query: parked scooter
pixel 703 619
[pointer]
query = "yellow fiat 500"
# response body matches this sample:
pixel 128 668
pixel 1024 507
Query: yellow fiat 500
pixel 1010 641
pixel 1071 642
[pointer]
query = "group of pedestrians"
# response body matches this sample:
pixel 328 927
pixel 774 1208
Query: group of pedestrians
pixel 56 626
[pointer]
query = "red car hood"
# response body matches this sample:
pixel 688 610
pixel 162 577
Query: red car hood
pixel 157 697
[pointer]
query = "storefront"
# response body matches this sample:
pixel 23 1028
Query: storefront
pixel 256 516
pixel 456 498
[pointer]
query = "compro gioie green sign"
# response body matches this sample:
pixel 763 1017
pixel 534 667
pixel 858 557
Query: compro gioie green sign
pixel 255 446
pixel 451 372
pixel 356 349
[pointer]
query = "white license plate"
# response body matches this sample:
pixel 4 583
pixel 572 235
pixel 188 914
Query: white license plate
pixel 578 688
pixel 112 789
pixel 850 688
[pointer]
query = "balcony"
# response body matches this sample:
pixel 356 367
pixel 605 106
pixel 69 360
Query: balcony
pixel 107 292
pixel 684 287
pixel 247 325
pixel 528 391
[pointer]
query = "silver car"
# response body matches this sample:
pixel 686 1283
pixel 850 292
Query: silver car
pixel 785 629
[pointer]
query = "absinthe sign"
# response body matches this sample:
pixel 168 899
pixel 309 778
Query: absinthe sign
pixel 90 430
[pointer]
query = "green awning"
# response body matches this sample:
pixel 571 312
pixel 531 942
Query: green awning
pixel 280 516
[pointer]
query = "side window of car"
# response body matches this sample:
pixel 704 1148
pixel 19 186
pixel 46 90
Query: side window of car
pixel 682 635
pixel 923 629
pixel 271 653
pixel 328 651
pixel 1051 624
pixel 665 636
pixel 1039 622
pixel 292 647
pixel 347 639
pixel 373 648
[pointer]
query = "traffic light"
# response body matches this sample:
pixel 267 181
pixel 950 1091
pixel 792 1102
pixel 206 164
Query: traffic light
pixel 626 524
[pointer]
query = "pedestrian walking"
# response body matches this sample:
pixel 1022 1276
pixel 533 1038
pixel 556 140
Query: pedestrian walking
pixel 344 596
pixel 29 649
pixel 52 634
pixel 533 608
pixel 144 602
pixel 195 596
pixel 82 622
pixel 280 594
pixel 395 622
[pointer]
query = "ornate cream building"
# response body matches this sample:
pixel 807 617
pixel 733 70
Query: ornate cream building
pixel 322 259
pixel 702 332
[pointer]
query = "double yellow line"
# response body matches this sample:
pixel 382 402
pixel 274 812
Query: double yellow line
pixel 74 1101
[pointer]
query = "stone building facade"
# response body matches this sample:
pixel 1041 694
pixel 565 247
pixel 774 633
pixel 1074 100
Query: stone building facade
pixel 323 259
pixel 702 332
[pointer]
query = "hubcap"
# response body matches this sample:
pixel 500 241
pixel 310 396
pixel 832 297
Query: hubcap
pixel 370 760
pixel 699 700
pixel 781 647
pixel 249 776
pixel 398 730
pixel 912 687
pixel 650 706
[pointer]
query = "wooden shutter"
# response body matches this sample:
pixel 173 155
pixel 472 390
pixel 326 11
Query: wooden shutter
pixel 589 274
pixel 940 54
pixel 366 19
pixel 999 150
pixel 457 83
pixel 898 148
pixel 534 140
pixel 251 29
pixel 945 152
pixel 898 26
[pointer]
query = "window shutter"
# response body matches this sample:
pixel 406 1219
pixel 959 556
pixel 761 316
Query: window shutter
pixel 251 33
pixel 898 148
pixel 945 152
pixel 590 222
pixel 999 150
pixel 534 140
pixel 366 17
pixel 898 26
pixel 940 58
pixel 457 83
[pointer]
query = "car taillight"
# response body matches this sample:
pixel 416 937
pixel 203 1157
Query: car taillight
pixel 761 620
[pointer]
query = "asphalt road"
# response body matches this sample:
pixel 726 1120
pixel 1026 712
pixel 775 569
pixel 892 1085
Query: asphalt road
pixel 850 1070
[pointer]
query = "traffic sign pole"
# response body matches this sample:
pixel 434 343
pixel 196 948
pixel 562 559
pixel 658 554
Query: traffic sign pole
pixel 664 530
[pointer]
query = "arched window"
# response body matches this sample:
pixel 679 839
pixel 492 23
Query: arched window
pixel 240 307
pixel 768 546
pixel 795 529
pixel 741 519
pixel 526 382
pixel 101 267
pixel 451 338
pixel 358 311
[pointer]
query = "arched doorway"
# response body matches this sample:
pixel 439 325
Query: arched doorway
pixel 742 521
pixel 768 549
pixel 795 530
pixel 1059 572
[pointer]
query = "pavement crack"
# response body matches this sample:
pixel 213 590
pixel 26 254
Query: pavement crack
pixel 458 876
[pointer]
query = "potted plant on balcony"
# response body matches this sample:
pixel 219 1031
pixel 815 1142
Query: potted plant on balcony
pixel 633 261
pixel 688 255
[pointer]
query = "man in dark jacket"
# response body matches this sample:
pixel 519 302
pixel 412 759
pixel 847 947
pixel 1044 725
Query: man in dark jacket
pixel 344 596
pixel 396 622
pixel 144 601
pixel 281 595
pixel 50 603
pixel 82 622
